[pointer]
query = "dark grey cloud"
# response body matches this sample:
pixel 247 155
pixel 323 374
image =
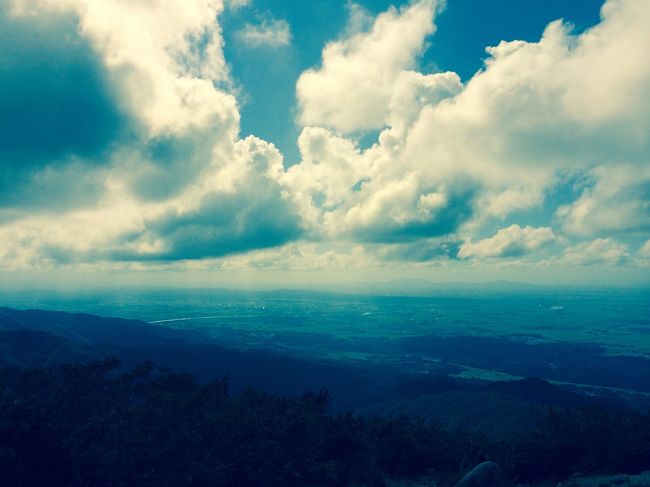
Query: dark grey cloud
pixel 445 221
pixel 64 131
pixel 514 250
pixel 55 96
pixel 63 120
pixel 424 251
pixel 59 111
pixel 224 224
pixel 167 164
pixel 52 188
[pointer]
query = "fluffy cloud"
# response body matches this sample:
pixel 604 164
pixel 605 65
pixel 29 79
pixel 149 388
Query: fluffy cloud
pixel 354 86
pixel 239 206
pixel 513 241
pixel 173 181
pixel 644 251
pixel 453 158
pixel 269 33
pixel 108 87
pixel 304 256
pixel 619 201
pixel 167 56
pixel 600 251
pixel 517 123
pixel 150 134
pixel 412 92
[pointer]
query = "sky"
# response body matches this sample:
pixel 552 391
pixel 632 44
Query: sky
pixel 219 142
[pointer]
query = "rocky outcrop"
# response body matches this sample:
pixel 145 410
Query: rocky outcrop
pixel 487 474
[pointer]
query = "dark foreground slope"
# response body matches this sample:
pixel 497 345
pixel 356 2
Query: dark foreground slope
pixel 94 424
pixel 68 416
pixel 91 425
pixel 497 409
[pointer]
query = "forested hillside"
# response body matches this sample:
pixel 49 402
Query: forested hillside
pixel 79 425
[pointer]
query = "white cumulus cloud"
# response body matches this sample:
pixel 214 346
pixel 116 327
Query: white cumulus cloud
pixel 167 55
pixel 172 180
pixel 513 241
pixel 619 201
pixel 353 88
pixel 605 251
pixel 515 133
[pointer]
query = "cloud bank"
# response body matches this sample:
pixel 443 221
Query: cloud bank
pixel 120 143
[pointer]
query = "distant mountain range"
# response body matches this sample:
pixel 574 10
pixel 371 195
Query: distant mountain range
pixel 36 338
pixel 411 287
pixel 425 287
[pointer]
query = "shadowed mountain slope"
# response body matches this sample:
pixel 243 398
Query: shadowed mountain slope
pixel 43 338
